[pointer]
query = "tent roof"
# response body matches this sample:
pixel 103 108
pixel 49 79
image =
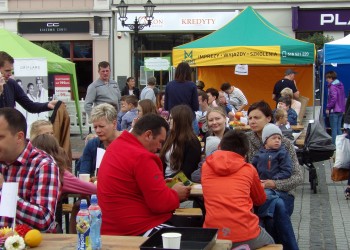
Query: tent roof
pixel 250 29
pixel 344 41
pixel 19 47
pixel 337 51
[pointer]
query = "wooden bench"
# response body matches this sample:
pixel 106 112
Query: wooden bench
pixel 193 212
pixel 272 247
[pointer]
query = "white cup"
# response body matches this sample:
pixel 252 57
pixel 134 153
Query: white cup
pixel 84 177
pixel 171 240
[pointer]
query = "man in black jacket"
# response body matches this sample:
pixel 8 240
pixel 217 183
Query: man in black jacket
pixel 11 92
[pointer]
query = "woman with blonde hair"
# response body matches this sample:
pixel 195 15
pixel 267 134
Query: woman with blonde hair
pixel 181 150
pixel 296 105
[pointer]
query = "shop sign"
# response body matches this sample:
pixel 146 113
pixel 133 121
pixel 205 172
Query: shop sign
pixel 62 87
pixel 53 27
pixel 202 21
pixel 157 63
pixel 321 19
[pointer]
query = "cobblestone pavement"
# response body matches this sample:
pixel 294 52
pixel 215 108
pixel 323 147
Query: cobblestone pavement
pixel 320 221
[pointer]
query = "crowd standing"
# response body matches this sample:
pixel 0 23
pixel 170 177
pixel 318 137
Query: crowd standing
pixel 248 178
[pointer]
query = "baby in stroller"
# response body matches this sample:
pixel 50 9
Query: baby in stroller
pixel 272 163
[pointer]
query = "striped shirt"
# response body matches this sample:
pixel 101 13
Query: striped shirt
pixel 38 178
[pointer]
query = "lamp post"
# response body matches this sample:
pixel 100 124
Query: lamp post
pixel 136 27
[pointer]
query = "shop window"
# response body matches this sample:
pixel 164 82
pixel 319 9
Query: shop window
pixel 161 45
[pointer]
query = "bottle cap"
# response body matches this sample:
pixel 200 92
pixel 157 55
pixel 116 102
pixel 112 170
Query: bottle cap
pixel 94 199
pixel 83 204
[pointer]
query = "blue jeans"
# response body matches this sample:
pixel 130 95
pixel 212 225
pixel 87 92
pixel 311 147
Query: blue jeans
pixel 280 227
pixel 335 122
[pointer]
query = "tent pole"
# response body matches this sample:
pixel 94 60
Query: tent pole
pixel 313 87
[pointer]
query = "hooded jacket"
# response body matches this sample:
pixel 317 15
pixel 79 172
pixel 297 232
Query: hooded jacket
pixel 230 188
pixel 336 97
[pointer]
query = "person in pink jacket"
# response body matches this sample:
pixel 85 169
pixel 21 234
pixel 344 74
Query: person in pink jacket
pixel 231 187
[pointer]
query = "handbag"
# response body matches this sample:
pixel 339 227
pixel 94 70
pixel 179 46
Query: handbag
pixel 340 174
pixel 342 153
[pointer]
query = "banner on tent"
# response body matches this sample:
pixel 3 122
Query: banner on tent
pixel 31 75
pixel 228 55
pixel 62 87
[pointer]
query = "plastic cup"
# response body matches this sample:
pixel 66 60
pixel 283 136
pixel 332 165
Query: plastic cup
pixel 84 177
pixel 171 240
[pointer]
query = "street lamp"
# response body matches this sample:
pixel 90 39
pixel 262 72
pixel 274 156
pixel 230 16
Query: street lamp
pixel 136 27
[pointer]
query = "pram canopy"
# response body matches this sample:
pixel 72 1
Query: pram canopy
pixel 317 139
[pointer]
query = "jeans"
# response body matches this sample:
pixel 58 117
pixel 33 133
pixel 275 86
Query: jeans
pixel 263 239
pixel 335 122
pixel 280 227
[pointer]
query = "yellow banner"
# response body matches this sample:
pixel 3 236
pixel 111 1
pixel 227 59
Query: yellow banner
pixel 256 55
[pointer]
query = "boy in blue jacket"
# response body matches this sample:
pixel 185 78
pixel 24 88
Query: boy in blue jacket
pixel 272 163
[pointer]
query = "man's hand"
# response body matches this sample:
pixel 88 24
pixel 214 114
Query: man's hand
pixel 182 191
pixel 327 112
pixel 2 83
pixel 269 184
pixel 51 105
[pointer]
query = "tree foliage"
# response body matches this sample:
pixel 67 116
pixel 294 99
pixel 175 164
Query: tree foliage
pixel 52 47
pixel 318 39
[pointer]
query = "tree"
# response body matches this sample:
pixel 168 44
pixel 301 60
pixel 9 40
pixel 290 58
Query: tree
pixel 52 47
pixel 318 39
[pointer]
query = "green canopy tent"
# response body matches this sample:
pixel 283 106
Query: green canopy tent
pixel 19 47
pixel 249 39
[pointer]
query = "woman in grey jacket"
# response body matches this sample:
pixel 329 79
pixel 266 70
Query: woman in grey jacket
pixel 280 227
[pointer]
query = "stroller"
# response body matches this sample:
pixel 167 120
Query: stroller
pixel 317 147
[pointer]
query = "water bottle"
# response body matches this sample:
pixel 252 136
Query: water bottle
pixel 96 220
pixel 83 227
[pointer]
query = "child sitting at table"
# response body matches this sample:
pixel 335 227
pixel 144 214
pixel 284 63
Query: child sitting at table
pixel 281 121
pixel 231 187
pixel 131 107
pixel 273 163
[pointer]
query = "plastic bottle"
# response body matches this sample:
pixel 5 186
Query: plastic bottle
pixel 96 220
pixel 83 227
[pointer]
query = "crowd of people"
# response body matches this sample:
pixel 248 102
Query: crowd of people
pixel 149 136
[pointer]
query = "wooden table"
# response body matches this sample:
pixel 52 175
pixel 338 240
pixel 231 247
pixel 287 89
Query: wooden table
pixel 68 241
pixel 298 127
pixel 196 192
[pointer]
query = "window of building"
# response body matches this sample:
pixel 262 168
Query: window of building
pixel 161 45
pixel 79 52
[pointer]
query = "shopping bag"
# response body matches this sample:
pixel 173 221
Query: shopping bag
pixel 342 153
pixel 340 174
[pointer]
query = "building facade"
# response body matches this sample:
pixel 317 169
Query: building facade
pixel 88 31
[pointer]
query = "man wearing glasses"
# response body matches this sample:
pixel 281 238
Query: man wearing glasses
pixel 11 92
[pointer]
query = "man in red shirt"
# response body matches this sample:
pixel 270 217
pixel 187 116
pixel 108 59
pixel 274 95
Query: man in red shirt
pixel 131 189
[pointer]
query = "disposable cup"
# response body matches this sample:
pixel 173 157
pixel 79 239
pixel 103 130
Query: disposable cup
pixel 84 177
pixel 171 240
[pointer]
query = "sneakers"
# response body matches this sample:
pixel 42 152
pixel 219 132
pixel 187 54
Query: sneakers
pixel 347 193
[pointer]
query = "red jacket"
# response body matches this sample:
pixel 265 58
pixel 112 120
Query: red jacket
pixel 131 189
pixel 230 188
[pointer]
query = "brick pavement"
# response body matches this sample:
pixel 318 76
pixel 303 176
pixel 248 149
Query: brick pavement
pixel 320 221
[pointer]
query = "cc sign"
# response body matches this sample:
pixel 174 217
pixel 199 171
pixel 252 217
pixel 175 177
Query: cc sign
pixel 52 25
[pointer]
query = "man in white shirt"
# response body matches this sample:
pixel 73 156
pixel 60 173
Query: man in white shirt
pixel 234 97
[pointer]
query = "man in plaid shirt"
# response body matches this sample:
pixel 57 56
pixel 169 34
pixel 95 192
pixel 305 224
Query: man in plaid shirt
pixel 34 170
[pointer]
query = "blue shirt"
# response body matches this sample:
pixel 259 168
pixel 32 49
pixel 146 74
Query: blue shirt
pixel 87 162
pixel 177 93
